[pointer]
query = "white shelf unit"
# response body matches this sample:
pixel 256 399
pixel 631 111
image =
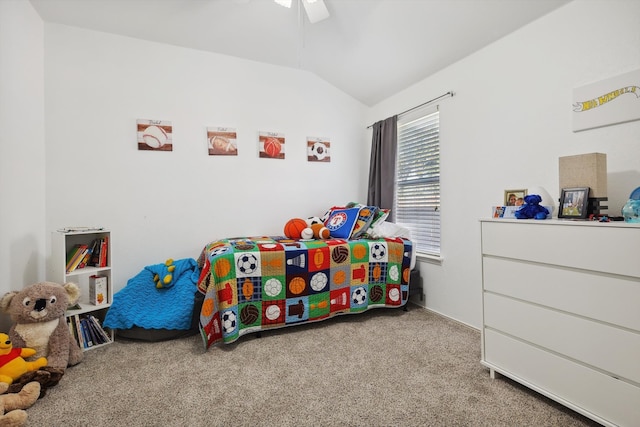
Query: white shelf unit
pixel 61 243
pixel 560 312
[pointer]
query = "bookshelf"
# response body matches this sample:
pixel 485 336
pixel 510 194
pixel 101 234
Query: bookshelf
pixel 62 268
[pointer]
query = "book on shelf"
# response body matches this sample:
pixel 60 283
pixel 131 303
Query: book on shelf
pixel 75 257
pixel 101 334
pixel 103 252
pixel 72 328
pixel 99 254
pixel 88 339
pixel 79 336
pixel 87 255
pixel 87 331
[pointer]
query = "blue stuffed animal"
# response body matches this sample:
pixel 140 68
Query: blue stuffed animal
pixel 532 208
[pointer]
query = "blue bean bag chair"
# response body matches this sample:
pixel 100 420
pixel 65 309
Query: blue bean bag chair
pixel 161 302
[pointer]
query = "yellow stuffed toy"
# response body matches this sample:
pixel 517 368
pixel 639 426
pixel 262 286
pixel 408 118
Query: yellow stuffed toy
pixel 12 364
pixel 12 405
pixel 167 276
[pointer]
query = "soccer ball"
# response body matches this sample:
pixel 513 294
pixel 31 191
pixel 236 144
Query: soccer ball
pixel 218 251
pixel 273 287
pixel 229 321
pixel 359 296
pixel 378 251
pixel 319 281
pixel 314 220
pixel 247 263
pixel 319 150
pixel 394 274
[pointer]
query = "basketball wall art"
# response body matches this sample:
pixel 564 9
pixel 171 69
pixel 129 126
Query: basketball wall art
pixel 155 135
pixel 318 149
pixel 222 141
pixel 271 145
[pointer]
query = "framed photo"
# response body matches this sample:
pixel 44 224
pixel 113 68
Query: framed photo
pixel 514 197
pixel 155 135
pixel 574 202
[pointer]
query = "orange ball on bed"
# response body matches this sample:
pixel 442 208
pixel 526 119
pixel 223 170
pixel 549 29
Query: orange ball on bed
pixel 293 228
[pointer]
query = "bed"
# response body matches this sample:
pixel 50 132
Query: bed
pixel 251 284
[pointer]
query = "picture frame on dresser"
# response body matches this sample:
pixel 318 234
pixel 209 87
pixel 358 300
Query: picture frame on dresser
pixel 574 203
pixel 514 197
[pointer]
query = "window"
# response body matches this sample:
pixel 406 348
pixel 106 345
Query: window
pixel 417 199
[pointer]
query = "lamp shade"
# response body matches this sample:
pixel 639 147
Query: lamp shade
pixel 584 170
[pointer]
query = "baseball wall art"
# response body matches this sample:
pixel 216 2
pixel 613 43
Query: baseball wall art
pixel 154 135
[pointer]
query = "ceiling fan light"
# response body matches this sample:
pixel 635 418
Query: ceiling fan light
pixel 285 3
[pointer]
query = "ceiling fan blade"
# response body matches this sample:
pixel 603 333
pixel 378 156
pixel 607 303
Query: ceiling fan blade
pixel 316 10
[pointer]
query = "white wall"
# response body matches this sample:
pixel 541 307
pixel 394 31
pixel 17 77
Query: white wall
pixel 506 127
pixel 170 204
pixel 22 166
pixel 509 123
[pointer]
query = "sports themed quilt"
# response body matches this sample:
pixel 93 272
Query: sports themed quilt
pixel 256 283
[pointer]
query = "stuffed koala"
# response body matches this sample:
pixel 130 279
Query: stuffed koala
pixel 38 319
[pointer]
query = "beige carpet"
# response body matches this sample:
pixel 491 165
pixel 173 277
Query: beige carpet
pixel 385 367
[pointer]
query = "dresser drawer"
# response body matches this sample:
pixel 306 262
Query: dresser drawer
pixel 591 246
pixel 613 350
pixel 604 398
pixel 608 298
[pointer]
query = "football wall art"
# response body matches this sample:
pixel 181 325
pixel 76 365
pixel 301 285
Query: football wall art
pixel 155 135
pixel 318 149
pixel 271 145
pixel 222 141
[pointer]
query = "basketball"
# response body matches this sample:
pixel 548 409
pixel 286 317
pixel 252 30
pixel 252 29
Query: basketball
pixel 272 147
pixel 297 285
pixel 339 277
pixel 293 228
pixel 222 267
pixel 359 251
pixel 207 307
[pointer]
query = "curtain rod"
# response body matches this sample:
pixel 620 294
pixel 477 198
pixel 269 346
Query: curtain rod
pixel 450 93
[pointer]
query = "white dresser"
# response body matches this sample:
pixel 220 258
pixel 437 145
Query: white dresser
pixel 561 312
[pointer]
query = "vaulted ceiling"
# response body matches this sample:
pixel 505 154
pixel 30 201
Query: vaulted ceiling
pixel 370 49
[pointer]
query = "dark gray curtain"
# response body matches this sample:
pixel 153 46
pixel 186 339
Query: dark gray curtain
pixel 382 168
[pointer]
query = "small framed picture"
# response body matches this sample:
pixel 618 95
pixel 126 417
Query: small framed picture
pixel 514 197
pixel 574 202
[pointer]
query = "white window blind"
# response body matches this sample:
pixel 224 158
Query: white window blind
pixel 417 199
